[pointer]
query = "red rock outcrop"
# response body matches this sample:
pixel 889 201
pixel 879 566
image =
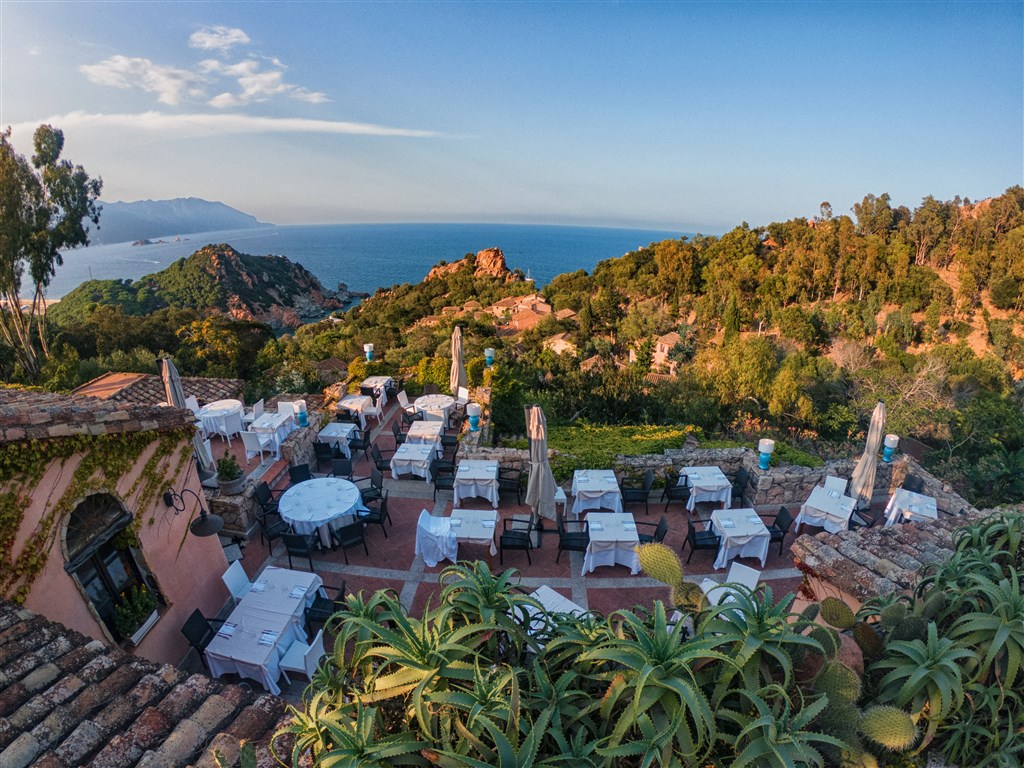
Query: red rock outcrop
pixel 490 262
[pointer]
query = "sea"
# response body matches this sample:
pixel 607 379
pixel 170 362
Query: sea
pixel 369 256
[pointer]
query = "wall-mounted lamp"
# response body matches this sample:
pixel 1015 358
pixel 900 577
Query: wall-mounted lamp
pixel 204 525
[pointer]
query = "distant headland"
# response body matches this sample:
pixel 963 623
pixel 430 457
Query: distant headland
pixel 144 222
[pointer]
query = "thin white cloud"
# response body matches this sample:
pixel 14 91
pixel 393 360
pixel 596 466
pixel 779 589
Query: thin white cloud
pixel 174 126
pixel 170 84
pixel 217 38
pixel 256 84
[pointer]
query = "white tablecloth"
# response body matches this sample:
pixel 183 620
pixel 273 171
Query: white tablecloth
pixel 476 526
pixel 424 432
pixel 828 509
pixel 358 404
pixel 435 540
pixel 277 425
pixel 337 433
pixel 212 414
pixel 743 534
pixel 413 459
pixel 476 478
pixel 912 507
pixel 435 407
pixel 613 541
pixel 379 384
pixel 275 603
pixel 595 489
pixel 706 484
pixel 314 504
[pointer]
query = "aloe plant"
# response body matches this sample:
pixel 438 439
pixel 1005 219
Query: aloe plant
pixel 997 631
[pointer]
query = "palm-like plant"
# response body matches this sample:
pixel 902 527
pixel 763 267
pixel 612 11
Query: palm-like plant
pixel 997 632
pixel 926 675
pixel 654 705
pixel 758 635
pixel 773 733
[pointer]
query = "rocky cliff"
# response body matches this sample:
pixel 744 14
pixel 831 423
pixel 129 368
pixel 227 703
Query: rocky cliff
pixel 489 262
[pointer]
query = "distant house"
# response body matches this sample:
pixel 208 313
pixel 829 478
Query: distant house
pixel 662 347
pixel 90 523
pixel 565 314
pixel 560 344
pixel 450 310
pixel 526 319
pixel 591 363
pixel 472 305
pixel 331 370
pixel 148 388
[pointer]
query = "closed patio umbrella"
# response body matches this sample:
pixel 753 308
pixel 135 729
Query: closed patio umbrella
pixel 458 377
pixel 176 398
pixel 540 490
pixel 862 485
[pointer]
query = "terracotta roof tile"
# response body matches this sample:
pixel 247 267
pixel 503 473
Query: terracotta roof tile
pixel 67 700
pixel 148 388
pixel 865 562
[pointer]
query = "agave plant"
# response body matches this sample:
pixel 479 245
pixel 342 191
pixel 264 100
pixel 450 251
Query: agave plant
pixel 987 730
pixel 772 733
pixel 653 704
pixel 997 632
pixel 758 635
pixel 926 675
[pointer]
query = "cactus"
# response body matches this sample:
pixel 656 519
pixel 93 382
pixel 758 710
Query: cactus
pixel 661 563
pixel 688 597
pixel 868 639
pixel 911 628
pixel 837 613
pixel 810 613
pixel 838 682
pixel 840 719
pixel 892 615
pixel 933 605
pixel 828 638
pixel 859 759
pixel 889 727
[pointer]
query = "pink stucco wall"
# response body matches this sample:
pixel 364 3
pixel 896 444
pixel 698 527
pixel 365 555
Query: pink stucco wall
pixel 187 568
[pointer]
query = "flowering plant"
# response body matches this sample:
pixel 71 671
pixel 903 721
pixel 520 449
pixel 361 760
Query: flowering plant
pixel 134 607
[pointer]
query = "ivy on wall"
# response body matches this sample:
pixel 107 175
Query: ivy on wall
pixel 104 461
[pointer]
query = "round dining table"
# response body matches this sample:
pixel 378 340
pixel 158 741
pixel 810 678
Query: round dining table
pixel 314 504
pixel 435 407
pixel 212 414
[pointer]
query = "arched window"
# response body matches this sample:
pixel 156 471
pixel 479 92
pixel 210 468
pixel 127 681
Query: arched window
pixel 99 558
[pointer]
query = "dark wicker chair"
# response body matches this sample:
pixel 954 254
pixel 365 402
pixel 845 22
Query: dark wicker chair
pixel 673 491
pixel 516 535
pixel 375 490
pixel 360 442
pixel 739 488
pixel 342 468
pixel 379 461
pixel 378 516
pixel 640 494
pixel 442 474
pixel 868 516
pixel 324 607
pixel 511 480
pixel 659 533
pixel 299 474
pixel 430 389
pixel 572 540
pixel 700 539
pixel 299 545
pixel 913 483
pixel 396 430
pixel 351 535
pixel 199 631
pixel 324 452
pixel 780 527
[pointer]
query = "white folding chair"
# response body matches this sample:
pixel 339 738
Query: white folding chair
pixel 255 413
pixel 230 425
pixel 375 409
pixel 463 396
pixel 434 539
pixel 403 401
pixel 738 574
pixel 287 407
pixel 303 658
pixel 837 484
pixel 256 443
pixel 193 405
pixel 236 580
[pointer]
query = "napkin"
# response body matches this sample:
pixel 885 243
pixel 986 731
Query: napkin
pixel 595 526
pixel 487 523
pixel 456 521
pixel 226 630
pixel 753 519
pixel 258 586
pixel 297 591
pixel 629 526
pixel 915 508
pixel 728 524
pixel 834 494
pixel 268 637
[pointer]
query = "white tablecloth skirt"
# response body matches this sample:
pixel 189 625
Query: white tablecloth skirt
pixel 742 546
pixel 584 500
pixel 486 542
pixel 435 540
pixel 611 553
pixel 418 467
pixel 467 489
pixel 698 495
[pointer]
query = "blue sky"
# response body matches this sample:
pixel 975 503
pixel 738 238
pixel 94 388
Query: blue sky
pixel 688 116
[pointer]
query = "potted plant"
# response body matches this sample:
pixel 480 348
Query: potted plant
pixel 136 613
pixel 230 475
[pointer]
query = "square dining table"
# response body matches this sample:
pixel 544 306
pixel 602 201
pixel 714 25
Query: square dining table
pixel 337 433
pixel 613 541
pixel 476 526
pixel 911 507
pixel 743 534
pixel 380 384
pixel 826 508
pixel 277 425
pixel 476 477
pixel 413 459
pixel 706 484
pixel 595 489
pixel 424 432
pixel 263 626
